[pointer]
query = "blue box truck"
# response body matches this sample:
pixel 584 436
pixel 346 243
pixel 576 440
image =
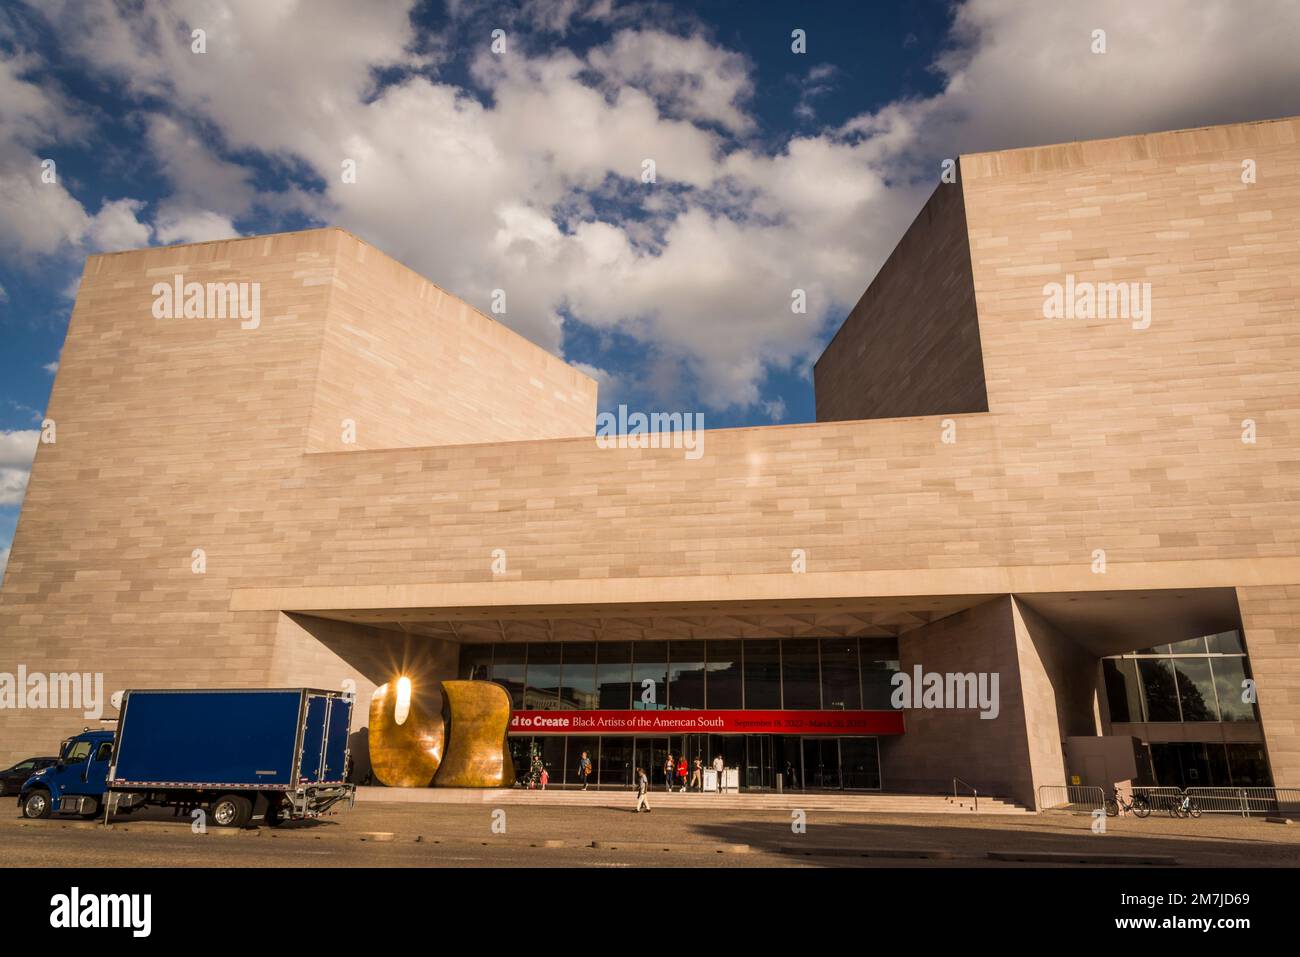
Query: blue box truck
pixel 280 753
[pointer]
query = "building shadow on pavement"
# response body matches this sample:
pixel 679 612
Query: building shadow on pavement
pixel 961 844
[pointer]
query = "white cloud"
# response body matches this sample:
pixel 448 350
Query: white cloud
pixel 4 561
pixel 550 16
pixel 192 226
pixel 688 76
pixel 4 294
pixel 37 216
pixel 200 179
pixel 817 82
pixel 117 227
pixel 499 193
pixel 33 414
pixel 1022 76
pixel 17 449
pixel 33 114
pixel 13 485
pixel 51 367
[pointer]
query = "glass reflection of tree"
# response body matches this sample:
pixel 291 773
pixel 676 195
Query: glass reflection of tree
pixel 1195 707
pixel 1161 690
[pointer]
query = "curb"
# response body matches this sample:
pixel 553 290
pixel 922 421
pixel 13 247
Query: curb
pixel 667 847
pixel 1067 857
pixel 932 854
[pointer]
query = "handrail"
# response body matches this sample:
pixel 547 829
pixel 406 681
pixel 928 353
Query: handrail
pixel 956 781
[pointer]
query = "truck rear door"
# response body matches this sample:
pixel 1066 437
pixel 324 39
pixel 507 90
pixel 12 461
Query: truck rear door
pixel 313 739
pixel 336 739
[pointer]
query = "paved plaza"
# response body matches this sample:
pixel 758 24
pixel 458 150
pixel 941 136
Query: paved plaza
pixel 413 835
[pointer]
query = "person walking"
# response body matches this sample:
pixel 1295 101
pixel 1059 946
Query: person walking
pixel 546 777
pixel 642 786
pixel 718 766
pixel 670 772
pixel 584 770
pixel 697 776
pixel 681 772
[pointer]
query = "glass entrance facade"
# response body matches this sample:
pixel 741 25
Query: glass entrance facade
pixel 791 674
pixel 725 674
pixel 766 761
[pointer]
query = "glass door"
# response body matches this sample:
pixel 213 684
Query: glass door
pixel 860 763
pixel 615 769
pixel 821 763
pixel 650 755
pixel 758 762
pixel 788 761
pixel 731 748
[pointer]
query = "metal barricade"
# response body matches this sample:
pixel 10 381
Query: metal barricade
pixel 1071 798
pixel 1083 799
pixel 1161 800
pixel 1247 801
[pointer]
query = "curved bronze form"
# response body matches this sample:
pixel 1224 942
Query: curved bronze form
pixel 477 714
pixel 403 755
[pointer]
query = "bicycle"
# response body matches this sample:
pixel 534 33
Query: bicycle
pixel 1186 808
pixel 1138 807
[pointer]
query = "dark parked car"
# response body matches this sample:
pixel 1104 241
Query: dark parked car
pixel 11 779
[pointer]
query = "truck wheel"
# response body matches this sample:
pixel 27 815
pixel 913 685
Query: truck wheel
pixel 231 810
pixel 37 804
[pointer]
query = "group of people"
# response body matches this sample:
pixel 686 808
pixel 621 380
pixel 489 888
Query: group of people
pixel 675 771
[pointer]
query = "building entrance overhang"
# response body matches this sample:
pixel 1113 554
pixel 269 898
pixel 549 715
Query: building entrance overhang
pixel 863 618
pixel 1102 621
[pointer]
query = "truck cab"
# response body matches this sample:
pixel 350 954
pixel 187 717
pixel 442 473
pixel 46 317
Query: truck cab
pixel 76 783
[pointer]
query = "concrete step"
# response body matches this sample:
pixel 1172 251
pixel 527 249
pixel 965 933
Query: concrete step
pixel 877 803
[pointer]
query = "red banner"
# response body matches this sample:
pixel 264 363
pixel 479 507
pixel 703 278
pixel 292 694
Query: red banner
pixel 706 722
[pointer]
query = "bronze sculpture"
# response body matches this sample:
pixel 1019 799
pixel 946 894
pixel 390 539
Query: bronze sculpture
pixel 406 744
pixel 465 748
pixel 477 715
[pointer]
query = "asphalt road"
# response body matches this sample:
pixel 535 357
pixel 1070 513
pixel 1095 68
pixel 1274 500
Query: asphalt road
pixel 413 835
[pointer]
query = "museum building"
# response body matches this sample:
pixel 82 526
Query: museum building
pixel 1082 517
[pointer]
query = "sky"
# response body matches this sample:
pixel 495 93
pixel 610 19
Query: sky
pixel 792 145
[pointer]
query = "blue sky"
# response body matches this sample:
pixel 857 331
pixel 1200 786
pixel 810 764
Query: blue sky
pixel 520 169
